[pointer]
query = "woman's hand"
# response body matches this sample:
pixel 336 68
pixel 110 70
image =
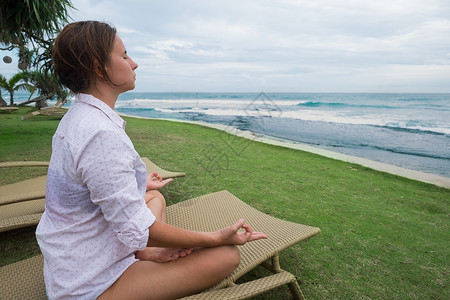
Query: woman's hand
pixel 233 235
pixel 155 182
pixel 166 235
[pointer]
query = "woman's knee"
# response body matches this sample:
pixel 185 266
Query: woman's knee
pixel 217 263
pixel 232 256
pixel 157 204
pixel 236 256
pixel 154 194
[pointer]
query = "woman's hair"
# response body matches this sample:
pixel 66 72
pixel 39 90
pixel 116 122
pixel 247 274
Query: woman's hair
pixel 80 52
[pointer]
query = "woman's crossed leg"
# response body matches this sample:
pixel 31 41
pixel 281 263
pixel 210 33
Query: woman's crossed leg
pixel 171 280
pixel 168 273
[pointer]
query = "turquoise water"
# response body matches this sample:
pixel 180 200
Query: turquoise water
pixel 407 130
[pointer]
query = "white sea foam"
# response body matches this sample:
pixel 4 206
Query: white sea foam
pixel 311 115
pixel 368 112
pixel 151 103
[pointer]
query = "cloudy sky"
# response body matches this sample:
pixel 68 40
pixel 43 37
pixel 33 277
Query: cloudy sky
pixel 281 46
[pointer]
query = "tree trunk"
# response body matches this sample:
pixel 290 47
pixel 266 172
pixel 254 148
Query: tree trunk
pixel 11 99
pixel 41 102
pixel 37 99
pixel 2 101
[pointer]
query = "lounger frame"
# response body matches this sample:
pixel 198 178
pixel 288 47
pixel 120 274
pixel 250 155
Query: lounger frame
pixel 22 203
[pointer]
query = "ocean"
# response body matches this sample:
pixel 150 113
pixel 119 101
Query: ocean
pixel 406 130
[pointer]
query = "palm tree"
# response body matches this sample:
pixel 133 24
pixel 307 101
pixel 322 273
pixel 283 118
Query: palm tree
pixel 47 85
pixel 30 26
pixel 14 84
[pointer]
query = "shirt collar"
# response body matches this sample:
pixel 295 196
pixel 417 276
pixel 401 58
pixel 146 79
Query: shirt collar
pixel 99 104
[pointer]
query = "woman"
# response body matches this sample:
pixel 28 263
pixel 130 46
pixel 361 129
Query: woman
pixel 103 233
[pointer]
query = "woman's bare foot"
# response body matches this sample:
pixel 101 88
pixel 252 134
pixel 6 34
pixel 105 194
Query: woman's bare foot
pixel 159 254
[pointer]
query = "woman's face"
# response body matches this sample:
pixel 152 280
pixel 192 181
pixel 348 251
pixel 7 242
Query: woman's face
pixel 120 68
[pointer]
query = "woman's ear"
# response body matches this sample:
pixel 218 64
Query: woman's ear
pixel 98 70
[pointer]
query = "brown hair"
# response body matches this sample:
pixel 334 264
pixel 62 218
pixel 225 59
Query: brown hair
pixel 78 49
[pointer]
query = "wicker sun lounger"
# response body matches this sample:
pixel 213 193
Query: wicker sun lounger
pixel 9 109
pixel 214 211
pixel 152 167
pixel 24 279
pixel 22 203
pixel 9 164
pixel 54 110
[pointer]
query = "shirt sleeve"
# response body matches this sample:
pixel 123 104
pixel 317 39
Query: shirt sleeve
pixel 106 165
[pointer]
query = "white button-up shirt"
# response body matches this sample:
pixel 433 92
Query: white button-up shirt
pixel 95 214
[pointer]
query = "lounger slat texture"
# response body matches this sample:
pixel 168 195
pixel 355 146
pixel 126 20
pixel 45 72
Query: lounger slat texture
pixel 24 190
pixel 217 210
pixel 22 208
pixel 19 222
pixel 248 289
pixel 28 189
pixel 24 279
pixel 21 214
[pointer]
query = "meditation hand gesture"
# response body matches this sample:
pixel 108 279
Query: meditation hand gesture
pixel 233 235
pixel 155 182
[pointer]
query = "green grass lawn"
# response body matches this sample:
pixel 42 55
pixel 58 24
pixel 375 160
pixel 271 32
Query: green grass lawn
pixel 382 236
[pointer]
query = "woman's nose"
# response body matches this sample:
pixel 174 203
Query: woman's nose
pixel 134 65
